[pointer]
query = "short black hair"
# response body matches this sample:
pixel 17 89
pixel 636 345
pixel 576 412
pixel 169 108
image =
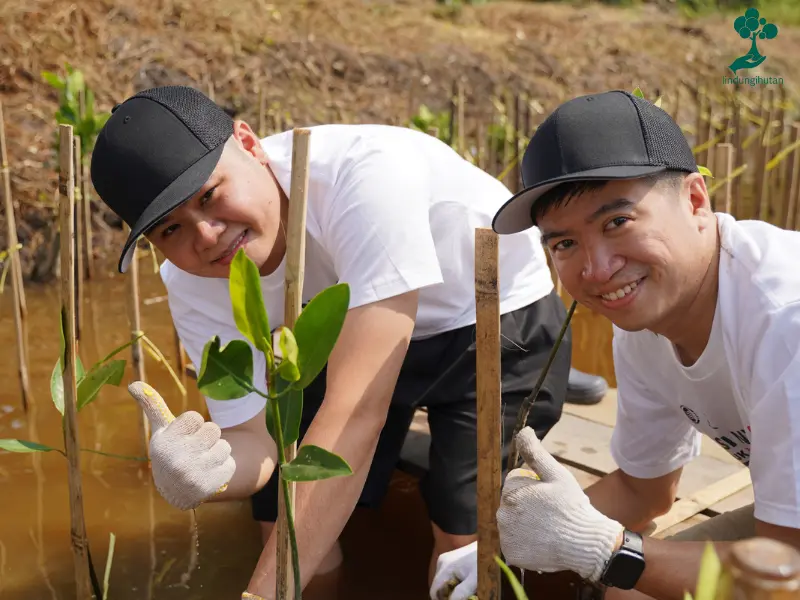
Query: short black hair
pixel 564 192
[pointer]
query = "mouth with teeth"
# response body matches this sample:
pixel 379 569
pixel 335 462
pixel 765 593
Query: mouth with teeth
pixel 226 257
pixel 623 295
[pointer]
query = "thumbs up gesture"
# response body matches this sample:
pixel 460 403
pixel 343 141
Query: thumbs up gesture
pixel 190 461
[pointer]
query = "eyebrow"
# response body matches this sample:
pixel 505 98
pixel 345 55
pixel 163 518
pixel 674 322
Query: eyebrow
pixel 618 204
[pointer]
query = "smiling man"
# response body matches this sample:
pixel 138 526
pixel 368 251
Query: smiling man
pixel 392 212
pixel 706 318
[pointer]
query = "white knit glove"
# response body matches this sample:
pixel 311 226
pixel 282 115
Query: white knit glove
pixel 190 462
pixel 456 570
pixel 548 524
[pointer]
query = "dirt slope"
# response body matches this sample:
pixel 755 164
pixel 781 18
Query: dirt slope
pixel 356 60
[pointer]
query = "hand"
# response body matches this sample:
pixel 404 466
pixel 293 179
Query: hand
pixel 548 524
pixel 456 574
pixel 190 461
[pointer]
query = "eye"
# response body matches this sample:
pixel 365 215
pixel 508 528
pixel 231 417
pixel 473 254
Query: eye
pixel 168 230
pixel 562 245
pixel 619 221
pixel 207 196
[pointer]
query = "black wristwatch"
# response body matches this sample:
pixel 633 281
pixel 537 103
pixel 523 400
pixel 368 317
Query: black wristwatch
pixel 626 565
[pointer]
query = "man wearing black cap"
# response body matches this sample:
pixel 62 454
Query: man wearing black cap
pixel 392 212
pixel 706 315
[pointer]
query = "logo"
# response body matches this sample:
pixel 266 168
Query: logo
pixel 751 26
pixel 690 414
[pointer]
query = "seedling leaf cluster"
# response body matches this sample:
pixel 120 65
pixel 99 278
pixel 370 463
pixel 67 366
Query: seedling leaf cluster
pixel 226 373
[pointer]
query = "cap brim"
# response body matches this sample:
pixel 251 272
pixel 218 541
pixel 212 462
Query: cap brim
pixel 515 215
pixel 175 194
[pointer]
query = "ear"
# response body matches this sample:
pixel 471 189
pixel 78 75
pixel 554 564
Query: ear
pixel 694 186
pixel 248 140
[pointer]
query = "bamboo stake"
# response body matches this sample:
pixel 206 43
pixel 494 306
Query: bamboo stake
pixel 87 218
pixel 462 146
pixel 489 435
pixel 723 156
pixel 17 288
pixel 515 178
pixel 134 318
pixel 740 125
pixel 794 186
pixel 78 225
pixel 295 272
pixel 262 112
pixel 763 190
pixel 453 113
pixel 761 569
pixel 761 151
pixel 66 184
pixel 481 134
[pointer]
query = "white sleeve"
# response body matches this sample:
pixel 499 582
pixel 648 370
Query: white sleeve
pixel 193 330
pixel 377 229
pixel 775 419
pixel 651 438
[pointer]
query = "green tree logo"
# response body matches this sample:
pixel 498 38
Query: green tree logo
pixel 751 26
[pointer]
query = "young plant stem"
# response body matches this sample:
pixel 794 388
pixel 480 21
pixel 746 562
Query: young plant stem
pixel 525 409
pixel 276 416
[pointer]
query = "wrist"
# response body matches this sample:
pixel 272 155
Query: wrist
pixel 626 564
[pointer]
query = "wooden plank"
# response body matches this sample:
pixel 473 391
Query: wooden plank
pixel 702 499
pixel 587 443
pixel 678 527
pixel 488 387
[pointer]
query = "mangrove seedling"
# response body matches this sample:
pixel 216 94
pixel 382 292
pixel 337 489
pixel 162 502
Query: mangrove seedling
pixel 226 373
pixel 89 383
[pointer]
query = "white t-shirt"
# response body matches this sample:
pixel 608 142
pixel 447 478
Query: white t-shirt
pixel 743 392
pixel 389 210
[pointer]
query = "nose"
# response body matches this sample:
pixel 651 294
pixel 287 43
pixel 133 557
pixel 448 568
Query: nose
pixel 206 234
pixel 600 263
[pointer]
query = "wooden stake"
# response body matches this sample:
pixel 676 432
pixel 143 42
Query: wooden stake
pixel 761 569
pixel 723 167
pixel 487 308
pixel 88 246
pixel 17 288
pixel 294 275
pixel 761 151
pixel 135 320
pixel 78 225
pixel 66 184
pixel 794 185
pixel 462 146
pixel 740 126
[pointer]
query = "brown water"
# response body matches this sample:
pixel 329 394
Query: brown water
pixel 162 553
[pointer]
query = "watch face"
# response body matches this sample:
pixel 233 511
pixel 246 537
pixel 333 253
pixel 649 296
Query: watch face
pixel 624 570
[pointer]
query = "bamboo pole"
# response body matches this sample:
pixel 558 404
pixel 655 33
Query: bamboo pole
pixel 794 185
pixel 135 320
pixel 739 135
pixel 462 146
pixel 761 151
pixel 66 184
pixel 78 225
pixel 88 246
pixel 723 156
pixel 761 569
pixel 293 289
pixel 17 288
pixel 489 435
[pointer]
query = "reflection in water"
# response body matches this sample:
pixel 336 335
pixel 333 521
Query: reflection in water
pixel 161 553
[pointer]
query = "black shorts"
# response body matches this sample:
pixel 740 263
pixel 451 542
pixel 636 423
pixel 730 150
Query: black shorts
pixel 439 373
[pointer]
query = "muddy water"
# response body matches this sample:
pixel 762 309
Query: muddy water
pixel 162 553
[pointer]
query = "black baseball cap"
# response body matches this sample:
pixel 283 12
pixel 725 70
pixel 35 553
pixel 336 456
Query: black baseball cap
pixel 155 152
pixel 610 135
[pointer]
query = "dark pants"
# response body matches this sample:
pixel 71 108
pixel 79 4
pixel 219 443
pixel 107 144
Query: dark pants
pixel 439 373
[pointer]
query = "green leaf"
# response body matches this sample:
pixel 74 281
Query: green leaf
pixel 53 80
pixel 638 93
pixel 290 407
pixel 317 329
pixel 708 577
pixel 516 586
pixel 704 171
pixel 313 463
pixel 248 302
pixel 288 365
pixel 26 446
pixel 89 386
pixel 226 373
pixel 57 382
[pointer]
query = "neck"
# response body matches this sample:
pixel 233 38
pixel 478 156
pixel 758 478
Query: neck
pixel 690 329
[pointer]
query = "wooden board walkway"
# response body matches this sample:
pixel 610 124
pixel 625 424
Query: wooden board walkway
pixel 713 483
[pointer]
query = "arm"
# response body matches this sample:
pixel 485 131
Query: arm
pixel 634 501
pixel 362 372
pixel 673 566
